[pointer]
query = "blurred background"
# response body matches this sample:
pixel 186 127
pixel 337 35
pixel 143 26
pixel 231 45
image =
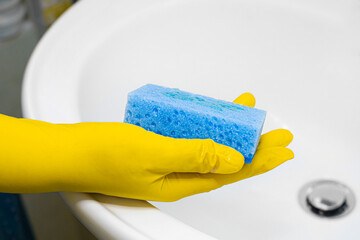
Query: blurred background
pixel 29 216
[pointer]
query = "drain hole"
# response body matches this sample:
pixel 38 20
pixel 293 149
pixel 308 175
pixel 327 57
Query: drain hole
pixel 327 213
pixel 327 198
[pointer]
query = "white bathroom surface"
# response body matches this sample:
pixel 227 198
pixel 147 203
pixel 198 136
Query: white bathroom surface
pixel 299 58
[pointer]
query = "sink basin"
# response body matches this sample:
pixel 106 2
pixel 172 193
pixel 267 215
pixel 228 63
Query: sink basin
pixel 299 58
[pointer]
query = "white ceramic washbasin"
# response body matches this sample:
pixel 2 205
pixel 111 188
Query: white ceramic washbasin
pixel 301 59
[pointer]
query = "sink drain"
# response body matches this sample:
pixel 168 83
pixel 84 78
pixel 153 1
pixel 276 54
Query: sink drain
pixel 327 198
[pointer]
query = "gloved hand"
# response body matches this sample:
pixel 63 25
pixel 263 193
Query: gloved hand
pixel 124 160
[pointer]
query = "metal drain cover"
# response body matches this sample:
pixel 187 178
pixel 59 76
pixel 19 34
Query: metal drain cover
pixel 327 198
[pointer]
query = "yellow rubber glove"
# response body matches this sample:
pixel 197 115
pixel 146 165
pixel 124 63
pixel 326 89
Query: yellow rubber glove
pixel 124 160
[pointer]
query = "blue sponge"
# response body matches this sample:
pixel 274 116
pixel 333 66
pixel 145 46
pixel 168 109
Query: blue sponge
pixel 174 113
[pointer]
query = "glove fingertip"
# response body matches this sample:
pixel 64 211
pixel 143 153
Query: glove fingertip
pixel 275 138
pixel 246 99
pixel 289 154
pixel 283 154
pixel 229 160
pixel 285 135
